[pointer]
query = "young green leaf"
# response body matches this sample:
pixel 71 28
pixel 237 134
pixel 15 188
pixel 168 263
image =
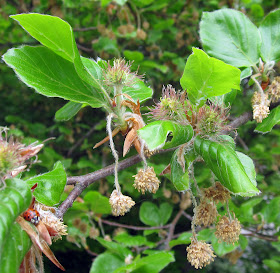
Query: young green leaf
pixel 153 263
pixel 269 122
pixel 205 77
pixel 14 199
pixel 226 165
pixel 130 241
pixel 106 262
pixel 270 33
pixel 98 202
pixel 69 110
pixel 230 36
pixel 50 185
pixel 51 75
pixel 155 134
pixel 58 36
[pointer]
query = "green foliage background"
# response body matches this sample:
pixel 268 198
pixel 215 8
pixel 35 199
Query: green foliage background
pixel 167 32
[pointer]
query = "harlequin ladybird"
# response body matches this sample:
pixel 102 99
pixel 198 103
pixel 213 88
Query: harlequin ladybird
pixel 32 215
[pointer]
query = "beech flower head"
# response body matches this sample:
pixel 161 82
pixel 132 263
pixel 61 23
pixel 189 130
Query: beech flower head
pixel 146 180
pixel 120 203
pixel 217 193
pixel 119 73
pixel 205 214
pixel 260 104
pixel 274 89
pixel 200 254
pixel 228 230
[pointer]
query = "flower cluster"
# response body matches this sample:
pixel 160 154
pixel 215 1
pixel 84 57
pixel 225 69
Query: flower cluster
pixel 274 90
pixel 199 254
pixel 217 193
pixel 228 230
pixel 205 214
pixel 120 203
pixel 146 180
pixel 260 104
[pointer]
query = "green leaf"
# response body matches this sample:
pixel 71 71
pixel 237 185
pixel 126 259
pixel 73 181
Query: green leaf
pixel 245 73
pixel 271 212
pixel 133 55
pixel 165 211
pixel 138 91
pixel 115 248
pixel 51 75
pixel 183 239
pixel 230 36
pixel 222 248
pixel 243 242
pixel 98 202
pixel 58 36
pixel 205 77
pixel 179 178
pixel 149 214
pixel 226 165
pixel 130 241
pixel 249 167
pixel 50 185
pixel 106 262
pixel 273 265
pixel 270 33
pixel 155 134
pixel 150 264
pixel 15 199
pixel 269 122
pixel 69 110
pixel 15 247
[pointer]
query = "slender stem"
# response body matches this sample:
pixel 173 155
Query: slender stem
pixel 114 152
pixel 194 205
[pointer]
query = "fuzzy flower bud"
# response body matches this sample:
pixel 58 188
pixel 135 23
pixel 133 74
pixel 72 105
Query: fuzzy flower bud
pixel 146 180
pixel 205 214
pixel 119 73
pixel 13 155
pixel 120 203
pixel 217 193
pixel 274 90
pixel 172 106
pixel 228 230
pixel 199 254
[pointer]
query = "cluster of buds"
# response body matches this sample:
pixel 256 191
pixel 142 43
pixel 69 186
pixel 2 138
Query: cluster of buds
pixel 274 90
pixel 14 155
pixel 212 119
pixel 199 254
pixel 119 73
pixel 172 106
pixel 146 180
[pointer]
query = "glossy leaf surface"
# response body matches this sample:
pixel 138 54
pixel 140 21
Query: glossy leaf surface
pixel 230 36
pixel 205 77
pixel 270 33
pixel 155 134
pixel 50 185
pixel 51 75
pixel 226 165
